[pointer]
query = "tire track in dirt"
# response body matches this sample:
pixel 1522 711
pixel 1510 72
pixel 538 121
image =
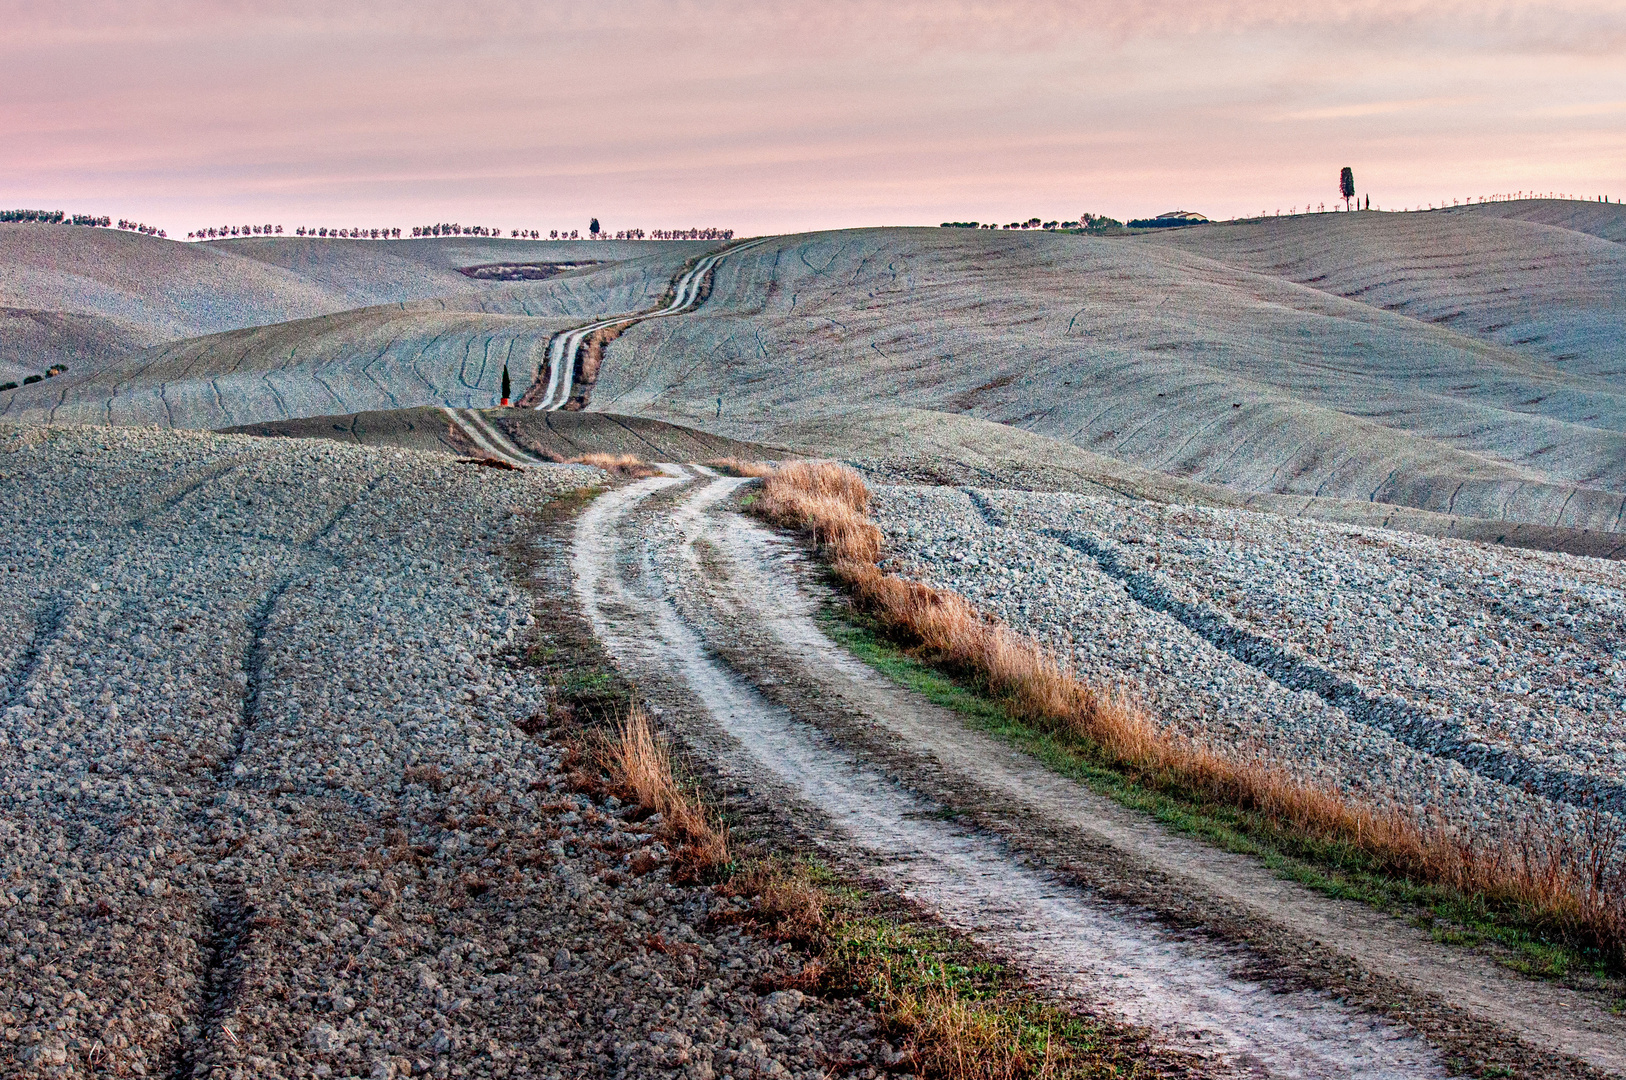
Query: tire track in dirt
pixel 1388 713
pixel 230 915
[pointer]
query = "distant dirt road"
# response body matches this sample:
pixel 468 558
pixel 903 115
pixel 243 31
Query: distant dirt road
pixel 563 349
pixel 714 618
pixel 488 440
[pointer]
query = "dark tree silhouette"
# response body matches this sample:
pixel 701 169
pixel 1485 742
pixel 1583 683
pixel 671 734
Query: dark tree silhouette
pixel 593 228
pixel 1346 185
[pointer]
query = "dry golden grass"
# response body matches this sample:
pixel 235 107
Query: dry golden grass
pixel 955 1038
pixel 733 466
pixel 1565 882
pixel 593 357
pixel 827 501
pixel 639 765
pixel 623 465
pixel 793 905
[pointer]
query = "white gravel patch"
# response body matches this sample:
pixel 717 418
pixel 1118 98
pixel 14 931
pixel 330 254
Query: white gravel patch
pixel 1486 685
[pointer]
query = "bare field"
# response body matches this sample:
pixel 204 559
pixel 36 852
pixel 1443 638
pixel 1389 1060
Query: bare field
pixel 444 343
pixel 277 790
pixel 269 805
pixel 1172 360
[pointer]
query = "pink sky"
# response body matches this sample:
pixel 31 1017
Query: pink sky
pixel 775 117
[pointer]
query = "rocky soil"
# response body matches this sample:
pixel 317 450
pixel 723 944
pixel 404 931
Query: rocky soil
pixel 1483 684
pixel 268 806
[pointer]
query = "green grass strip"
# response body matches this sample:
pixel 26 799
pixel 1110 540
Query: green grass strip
pixel 1331 868
pixel 965 1017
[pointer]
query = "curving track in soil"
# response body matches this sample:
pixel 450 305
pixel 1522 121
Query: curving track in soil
pixel 714 618
pixel 487 440
pixel 563 349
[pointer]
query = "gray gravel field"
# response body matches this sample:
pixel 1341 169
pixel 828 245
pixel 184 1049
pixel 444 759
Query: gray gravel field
pixel 1485 684
pixel 267 810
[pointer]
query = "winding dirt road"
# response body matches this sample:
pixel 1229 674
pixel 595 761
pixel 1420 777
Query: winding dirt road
pixel 484 436
pixel 713 617
pixel 563 348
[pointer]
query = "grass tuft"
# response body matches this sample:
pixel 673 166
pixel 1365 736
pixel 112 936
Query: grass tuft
pixel 733 466
pixel 628 466
pixel 638 765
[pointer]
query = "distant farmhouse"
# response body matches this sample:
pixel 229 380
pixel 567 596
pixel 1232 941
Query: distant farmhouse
pixel 1169 220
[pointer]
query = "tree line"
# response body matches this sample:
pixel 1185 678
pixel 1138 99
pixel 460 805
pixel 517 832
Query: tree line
pixel 594 232
pixel 235 230
pixel 94 221
pixel 1085 221
pixel 453 228
pixel 349 234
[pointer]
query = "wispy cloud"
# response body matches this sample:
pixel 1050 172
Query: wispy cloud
pixel 785 114
pixel 1381 108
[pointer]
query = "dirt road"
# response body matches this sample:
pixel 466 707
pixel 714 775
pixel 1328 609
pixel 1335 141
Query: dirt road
pixel 713 617
pixel 484 437
pixel 563 348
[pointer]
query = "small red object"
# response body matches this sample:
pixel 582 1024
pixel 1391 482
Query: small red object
pixel 505 403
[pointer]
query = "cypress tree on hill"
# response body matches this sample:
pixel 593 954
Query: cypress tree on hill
pixel 1346 185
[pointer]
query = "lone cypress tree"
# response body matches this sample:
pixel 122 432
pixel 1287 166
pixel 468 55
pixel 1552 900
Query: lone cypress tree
pixel 505 384
pixel 1346 185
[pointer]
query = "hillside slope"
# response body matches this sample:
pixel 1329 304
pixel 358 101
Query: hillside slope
pixel 1544 278
pixel 1605 220
pixel 160 290
pixel 1462 363
pixel 443 351
pixel 1145 352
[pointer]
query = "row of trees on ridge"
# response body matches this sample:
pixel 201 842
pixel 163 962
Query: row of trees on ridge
pixel 1085 221
pixel 94 221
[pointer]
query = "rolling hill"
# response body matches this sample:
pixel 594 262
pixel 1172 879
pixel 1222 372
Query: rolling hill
pixel 1462 363
pixel 1157 352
